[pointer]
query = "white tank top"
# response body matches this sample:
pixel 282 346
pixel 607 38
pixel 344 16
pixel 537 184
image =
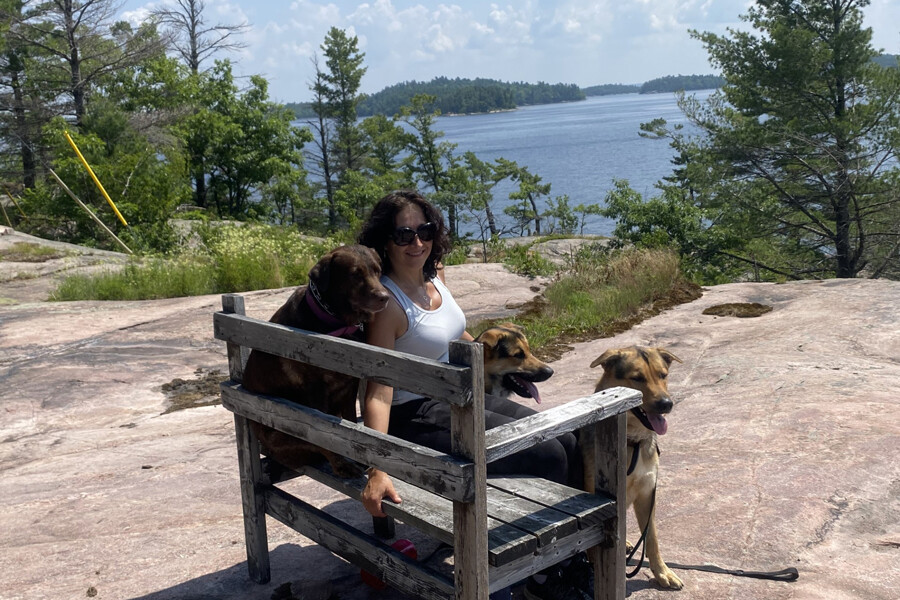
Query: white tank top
pixel 429 332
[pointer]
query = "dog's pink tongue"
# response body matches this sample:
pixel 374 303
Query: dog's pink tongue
pixel 659 423
pixel 532 389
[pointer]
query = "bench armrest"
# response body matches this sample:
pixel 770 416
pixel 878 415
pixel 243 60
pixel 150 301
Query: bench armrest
pixel 530 431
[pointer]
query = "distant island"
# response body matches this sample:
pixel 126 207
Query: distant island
pixel 460 96
pixel 474 96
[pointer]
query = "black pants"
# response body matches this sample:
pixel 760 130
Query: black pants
pixel 427 422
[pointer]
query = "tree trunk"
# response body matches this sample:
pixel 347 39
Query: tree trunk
pixel 29 162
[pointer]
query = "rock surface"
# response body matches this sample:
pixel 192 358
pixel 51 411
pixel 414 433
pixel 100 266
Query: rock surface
pixel 782 450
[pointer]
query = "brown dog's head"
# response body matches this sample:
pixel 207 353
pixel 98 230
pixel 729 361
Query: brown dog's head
pixel 643 369
pixel 509 365
pixel 347 281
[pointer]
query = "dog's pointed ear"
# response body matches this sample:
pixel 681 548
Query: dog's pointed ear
pixel 668 356
pixel 607 359
pixel 513 327
pixel 489 337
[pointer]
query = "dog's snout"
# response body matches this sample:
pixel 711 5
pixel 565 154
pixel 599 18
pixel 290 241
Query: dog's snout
pixel 544 373
pixel 663 405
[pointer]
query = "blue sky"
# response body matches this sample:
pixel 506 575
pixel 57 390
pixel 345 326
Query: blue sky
pixel 586 42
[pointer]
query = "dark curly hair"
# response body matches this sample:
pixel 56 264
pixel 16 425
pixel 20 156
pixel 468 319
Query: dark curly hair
pixel 377 229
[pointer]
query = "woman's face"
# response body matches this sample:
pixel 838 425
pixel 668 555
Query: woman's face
pixel 413 255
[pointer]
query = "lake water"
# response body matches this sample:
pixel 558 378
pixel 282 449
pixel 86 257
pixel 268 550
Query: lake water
pixel 578 147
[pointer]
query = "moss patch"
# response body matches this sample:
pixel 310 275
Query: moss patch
pixel 203 390
pixel 743 310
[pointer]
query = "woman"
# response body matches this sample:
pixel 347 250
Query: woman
pixel 422 318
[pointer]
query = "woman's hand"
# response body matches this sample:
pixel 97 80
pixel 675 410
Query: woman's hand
pixel 379 487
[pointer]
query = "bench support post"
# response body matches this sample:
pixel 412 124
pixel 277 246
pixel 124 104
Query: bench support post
pixel 470 519
pixel 249 464
pixel 609 558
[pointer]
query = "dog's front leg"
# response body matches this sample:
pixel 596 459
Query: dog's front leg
pixel 645 511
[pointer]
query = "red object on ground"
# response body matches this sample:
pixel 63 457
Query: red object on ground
pixel 405 547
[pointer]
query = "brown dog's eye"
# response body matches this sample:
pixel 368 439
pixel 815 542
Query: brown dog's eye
pixel 638 378
pixel 663 375
pixel 519 354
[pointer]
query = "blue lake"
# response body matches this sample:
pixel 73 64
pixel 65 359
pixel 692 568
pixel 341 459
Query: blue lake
pixel 579 147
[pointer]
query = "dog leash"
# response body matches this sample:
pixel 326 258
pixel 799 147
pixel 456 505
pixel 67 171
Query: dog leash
pixel 786 575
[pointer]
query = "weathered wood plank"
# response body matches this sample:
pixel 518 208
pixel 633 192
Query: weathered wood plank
pixel 589 510
pixel 237 354
pixel 611 477
pixel 587 440
pixel 250 473
pixel 430 378
pixel 469 518
pixel 433 515
pixel 525 433
pixel 545 523
pixel 358 547
pixel 549 555
pixel 437 472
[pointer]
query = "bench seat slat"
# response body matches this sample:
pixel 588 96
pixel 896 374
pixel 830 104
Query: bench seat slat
pixel 433 515
pixel 589 509
pixel 532 430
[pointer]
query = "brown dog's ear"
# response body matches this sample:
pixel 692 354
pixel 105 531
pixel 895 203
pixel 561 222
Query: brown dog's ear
pixel 374 255
pixel 320 274
pixel 513 326
pixel 607 359
pixel 667 356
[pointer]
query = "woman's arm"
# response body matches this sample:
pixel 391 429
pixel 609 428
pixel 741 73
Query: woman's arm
pixel 381 331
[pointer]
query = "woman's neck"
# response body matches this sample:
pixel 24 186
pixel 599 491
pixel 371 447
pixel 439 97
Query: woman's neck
pixel 411 279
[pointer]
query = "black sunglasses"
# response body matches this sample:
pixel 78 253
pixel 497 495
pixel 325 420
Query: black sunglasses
pixel 403 236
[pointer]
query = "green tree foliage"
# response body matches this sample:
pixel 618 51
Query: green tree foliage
pixel 429 158
pixel 528 194
pixel 610 89
pixel 678 83
pixel 345 71
pixel 795 171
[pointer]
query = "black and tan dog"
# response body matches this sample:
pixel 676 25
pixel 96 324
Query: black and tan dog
pixel 644 369
pixel 509 365
pixel 344 292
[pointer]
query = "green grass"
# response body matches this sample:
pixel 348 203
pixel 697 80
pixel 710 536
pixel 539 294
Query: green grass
pixel 231 259
pixel 26 252
pixel 597 295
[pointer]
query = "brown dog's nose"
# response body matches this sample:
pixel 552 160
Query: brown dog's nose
pixel 663 405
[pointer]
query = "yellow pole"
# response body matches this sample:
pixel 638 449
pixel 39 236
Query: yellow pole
pixel 94 177
pixel 88 210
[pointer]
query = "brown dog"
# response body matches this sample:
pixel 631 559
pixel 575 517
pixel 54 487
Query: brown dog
pixel 643 369
pixel 344 292
pixel 509 365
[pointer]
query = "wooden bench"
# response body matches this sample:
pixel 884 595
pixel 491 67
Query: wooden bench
pixel 502 529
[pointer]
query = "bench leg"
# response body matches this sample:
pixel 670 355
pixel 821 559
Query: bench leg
pixel 250 470
pixel 609 578
pixel 384 527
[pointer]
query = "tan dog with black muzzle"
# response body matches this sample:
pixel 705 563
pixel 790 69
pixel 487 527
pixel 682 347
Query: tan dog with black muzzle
pixel 644 369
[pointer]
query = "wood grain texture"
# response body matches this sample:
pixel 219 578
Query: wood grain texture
pixel 437 472
pixel 448 382
pixel 530 431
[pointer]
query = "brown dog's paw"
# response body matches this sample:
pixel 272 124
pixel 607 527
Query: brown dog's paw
pixel 667 579
pixel 345 468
